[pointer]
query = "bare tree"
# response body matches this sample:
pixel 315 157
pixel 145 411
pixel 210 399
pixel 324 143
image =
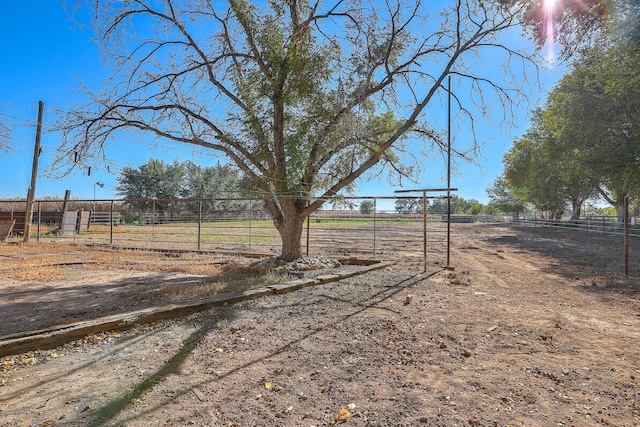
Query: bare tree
pixel 5 133
pixel 304 97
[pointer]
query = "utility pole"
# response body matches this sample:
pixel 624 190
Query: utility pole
pixel 28 215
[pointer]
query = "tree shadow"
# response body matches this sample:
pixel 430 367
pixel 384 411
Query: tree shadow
pixel 108 413
pixel 171 366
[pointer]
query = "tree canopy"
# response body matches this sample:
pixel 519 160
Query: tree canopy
pixel 503 199
pixel 303 97
pixel 367 207
pixel 586 141
pixel 409 205
pixel 165 182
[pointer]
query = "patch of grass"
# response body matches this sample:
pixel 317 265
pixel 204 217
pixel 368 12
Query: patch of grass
pixel 105 229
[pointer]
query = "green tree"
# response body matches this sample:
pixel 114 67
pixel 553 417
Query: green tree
pixel 547 167
pixel 220 186
pixel 576 24
pixel 530 174
pixel 216 185
pixel 473 207
pixel 597 107
pixel 409 205
pixel 303 97
pixel 503 199
pixel 367 207
pixel 440 205
pixel 152 180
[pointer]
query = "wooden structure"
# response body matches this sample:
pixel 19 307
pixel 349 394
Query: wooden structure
pixel 6 227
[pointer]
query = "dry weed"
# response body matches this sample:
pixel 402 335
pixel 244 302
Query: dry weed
pixel 231 278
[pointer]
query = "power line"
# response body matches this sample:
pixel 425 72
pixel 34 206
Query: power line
pixel 33 121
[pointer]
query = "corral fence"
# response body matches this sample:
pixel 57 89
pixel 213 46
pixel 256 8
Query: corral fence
pixel 342 228
pixel 588 223
pixel 242 226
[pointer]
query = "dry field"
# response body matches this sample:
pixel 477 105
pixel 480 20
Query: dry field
pixel 533 327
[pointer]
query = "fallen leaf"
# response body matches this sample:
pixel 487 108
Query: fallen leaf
pixel 351 406
pixel 48 422
pixel 219 350
pixel 268 385
pixel 343 414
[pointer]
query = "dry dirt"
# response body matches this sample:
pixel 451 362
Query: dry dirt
pixel 533 327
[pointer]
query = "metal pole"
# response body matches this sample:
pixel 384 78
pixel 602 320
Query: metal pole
pixel 153 224
pixel 39 220
pixel 199 222
pixel 424 230
pixel 111 221
pixel 626 236
pixel 308 223
pixel 449 174
pixel 374 227
pixel 28 215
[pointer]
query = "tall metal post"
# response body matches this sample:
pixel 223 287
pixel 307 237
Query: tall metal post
pixel 308 225
pixel 111 221
pixel 449 173
pixel 626 236
pixel 199 223
pixel 374 226
pixel 39 221
pixel 424 230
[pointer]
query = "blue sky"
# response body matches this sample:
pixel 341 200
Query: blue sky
pixel 46 57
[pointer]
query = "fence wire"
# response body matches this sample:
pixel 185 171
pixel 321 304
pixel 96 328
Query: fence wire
pixel 365 226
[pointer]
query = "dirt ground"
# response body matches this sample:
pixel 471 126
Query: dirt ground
pixel 533 327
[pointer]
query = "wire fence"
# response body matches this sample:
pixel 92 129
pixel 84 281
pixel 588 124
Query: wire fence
pixel 365 226
pixel 350 227
pixel 589 223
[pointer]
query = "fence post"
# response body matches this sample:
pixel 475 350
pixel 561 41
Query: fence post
pixel 153 224
pixel 374 226
pixel 626 236
pixel 111 223
pixel 424 229
pixel 199 222
pixel 308 224
pixel 250 222
pixel 39 221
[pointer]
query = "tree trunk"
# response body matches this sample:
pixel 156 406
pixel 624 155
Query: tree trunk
pixel 620 211
pixel 290 230
pixel 576 206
